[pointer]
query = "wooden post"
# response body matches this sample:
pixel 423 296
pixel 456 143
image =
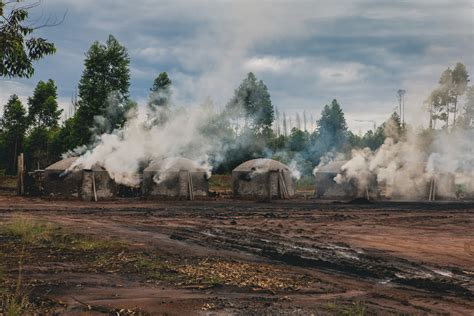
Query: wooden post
pixel 284 194
pixel 190 187
pixel 432 195
pixel 93 186
pixel 431 190
pixel 21 173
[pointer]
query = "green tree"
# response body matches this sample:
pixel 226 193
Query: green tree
pixel 43 109
pixel 18 50
pixel 43 117
pixel 13 126
pixel 468 115
pixel 106 73
pixel 252 101
pixel 332 127
pixel 38 147
pixel 444 99
pixel 460 79
pixel 438 103
pixel 297 141
pixel 160 92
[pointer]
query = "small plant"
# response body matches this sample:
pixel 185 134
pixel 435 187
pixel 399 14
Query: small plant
pixel 29 231
pixel 13 301
pixel 12 304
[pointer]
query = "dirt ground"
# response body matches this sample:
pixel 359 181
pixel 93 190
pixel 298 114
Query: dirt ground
pixel 243 257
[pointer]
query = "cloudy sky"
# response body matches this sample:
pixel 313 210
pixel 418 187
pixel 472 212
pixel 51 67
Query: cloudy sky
pixel 307 52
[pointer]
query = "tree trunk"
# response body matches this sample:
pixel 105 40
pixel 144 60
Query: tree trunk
pixel 455 110
pixel 14 154
pixel 447 118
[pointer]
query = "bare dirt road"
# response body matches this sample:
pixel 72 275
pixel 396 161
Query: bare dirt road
pixel 243 257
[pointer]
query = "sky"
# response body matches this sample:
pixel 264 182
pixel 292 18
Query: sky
pixel 359 52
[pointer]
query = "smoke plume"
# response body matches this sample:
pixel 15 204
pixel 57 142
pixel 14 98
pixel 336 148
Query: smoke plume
pixel 407 162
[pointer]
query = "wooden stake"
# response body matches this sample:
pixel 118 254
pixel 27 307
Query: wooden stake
pixel 93 186
pixel 190 187
pixel 284 190
pixel 430 197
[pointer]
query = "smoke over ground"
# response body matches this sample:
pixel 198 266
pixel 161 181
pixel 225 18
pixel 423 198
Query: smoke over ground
pixel 404 166
pixel 151 134
pixel 128 150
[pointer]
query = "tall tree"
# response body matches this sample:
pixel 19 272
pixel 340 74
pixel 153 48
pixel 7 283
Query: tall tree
pixel 252 100
pixel 444 99
pixel 444 93
pixel 285 126
pixel 460 79
pixel 106 73
pixel 160 92
pixel 468 115
pixel 18 50
pixel 13 126
pixel 332 127
pixel 43 109
pixel 43 117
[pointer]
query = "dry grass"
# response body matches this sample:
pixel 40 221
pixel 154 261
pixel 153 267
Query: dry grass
pixel 256 276
pixel 220 182
pixel 29 235
pixel 28 230
pixel 355 308
pixel 8 182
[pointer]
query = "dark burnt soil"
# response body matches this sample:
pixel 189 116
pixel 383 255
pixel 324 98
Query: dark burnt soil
pixel 244 257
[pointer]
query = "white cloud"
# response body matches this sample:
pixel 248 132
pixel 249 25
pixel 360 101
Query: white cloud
pixel 209 46
pixel 273 64
pixel 342 74
pixel 9 87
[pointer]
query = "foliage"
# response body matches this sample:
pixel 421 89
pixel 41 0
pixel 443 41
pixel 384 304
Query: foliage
pixel 443 100
pixel 252 101
pixel 43 109
pixel 37 148
pixel 331 134
pixel 18 50
pixel 13 126
pixel 468 115
pixel 106 72
pixel 160 92
pixel 43 120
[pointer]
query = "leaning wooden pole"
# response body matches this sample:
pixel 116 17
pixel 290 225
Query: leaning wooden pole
pixel 430 196
pixel 93 186
pixel 190 187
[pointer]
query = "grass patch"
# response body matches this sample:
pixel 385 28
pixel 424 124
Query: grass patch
pixel 7 182
pixel 356 308
pixel 305 183
pixel 28 230
pixel 220 182
pixel 42 234
pixel 12 304
pixel 25 238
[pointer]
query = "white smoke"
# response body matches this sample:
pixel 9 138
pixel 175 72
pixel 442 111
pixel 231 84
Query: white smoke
pixel 126 150
pixel 295 171
pixel 404 166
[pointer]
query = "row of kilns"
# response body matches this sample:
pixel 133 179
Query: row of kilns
pixel 173 178
pixel 440 186
pixel 181 178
